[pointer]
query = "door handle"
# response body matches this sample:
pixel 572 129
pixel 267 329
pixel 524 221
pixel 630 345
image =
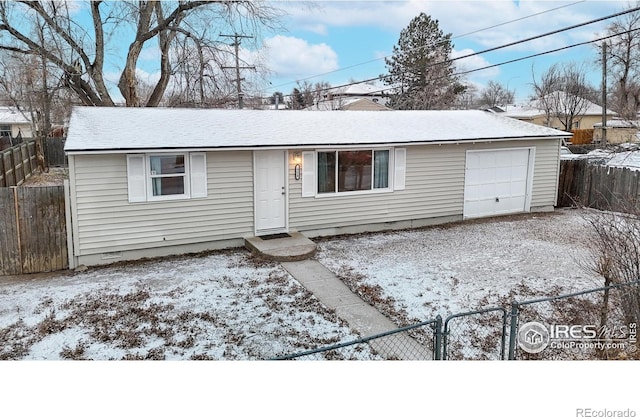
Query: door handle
pixel 283 191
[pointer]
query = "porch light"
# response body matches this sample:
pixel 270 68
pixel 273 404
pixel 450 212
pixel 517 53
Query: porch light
pixel 297 170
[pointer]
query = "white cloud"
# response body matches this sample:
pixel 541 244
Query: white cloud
pixel 290 57
pixel 472 63
pixel 461 17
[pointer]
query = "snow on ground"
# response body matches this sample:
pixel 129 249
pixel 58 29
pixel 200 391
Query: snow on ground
pixel 416 274
pixel 231 305
pixel 225 305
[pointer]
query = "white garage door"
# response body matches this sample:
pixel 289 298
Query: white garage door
pixel 497 182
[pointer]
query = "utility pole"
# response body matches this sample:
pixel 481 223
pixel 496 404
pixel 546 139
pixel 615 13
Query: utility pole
pixel 604 93
pixel 236 45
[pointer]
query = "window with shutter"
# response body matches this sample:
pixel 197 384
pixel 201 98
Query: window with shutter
pixel 154 177
pixel 136 178
pixel 331 172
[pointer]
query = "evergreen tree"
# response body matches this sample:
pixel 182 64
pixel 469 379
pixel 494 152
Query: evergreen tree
pixel 420 70
pixel 297 99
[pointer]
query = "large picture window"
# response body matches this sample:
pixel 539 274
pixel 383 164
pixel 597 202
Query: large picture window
pixel 347 171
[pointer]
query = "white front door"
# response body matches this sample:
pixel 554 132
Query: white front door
pixel 497 182
pixel 270 192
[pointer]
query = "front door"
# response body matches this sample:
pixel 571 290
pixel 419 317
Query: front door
pixel 270 192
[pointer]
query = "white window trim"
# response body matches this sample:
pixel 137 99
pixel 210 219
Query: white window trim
pixel 186 175
pixel 336 194
pixel 148 196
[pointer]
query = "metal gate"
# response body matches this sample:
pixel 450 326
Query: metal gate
pixel 474 335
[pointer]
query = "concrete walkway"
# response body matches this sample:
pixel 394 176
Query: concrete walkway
pixel 361 316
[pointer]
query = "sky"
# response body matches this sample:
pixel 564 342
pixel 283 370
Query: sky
pixel 345 41
pixel 342 41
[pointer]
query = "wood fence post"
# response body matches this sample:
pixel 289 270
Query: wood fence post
pixel 15 202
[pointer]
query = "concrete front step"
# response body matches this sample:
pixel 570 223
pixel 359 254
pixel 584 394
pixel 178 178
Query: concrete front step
pixel 295 247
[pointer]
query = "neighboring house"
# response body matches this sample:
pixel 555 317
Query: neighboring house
pixel 152 181
pixel 14 127
pixel 360 104
pixel 618 131
pixel 339 97
pixel 533 112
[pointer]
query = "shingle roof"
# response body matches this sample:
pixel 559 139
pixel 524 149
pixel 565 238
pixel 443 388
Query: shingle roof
pixel 12 116
pixel 533 108
pixel 119 128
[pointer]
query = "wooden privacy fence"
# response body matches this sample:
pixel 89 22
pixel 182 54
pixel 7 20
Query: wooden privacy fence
pixel 597 186
pixel 53 149
pixel 33 235
pixel 18 163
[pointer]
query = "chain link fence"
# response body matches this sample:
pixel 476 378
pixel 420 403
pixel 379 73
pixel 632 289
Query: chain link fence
pixel 416 342
pixel 595 324
pixel 599 323
pixel 475 335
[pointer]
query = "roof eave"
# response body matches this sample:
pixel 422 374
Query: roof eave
pixel 561 135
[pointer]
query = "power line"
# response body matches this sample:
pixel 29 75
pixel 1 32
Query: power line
pixel 236 45
pixel 511 61
pixel 554 32
pixel 518 19
pixel 454 37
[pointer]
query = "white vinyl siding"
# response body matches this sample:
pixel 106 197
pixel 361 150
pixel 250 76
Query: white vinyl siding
pixel 434 187
pixel 106 222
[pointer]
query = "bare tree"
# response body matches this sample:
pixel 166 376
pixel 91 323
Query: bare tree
pixel 616 256
pixel 561 92
pixel 79 54
pixel 495 94
pixel 623 64
pixel 467 99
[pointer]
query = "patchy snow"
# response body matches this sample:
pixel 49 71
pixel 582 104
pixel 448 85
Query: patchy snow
pixel 630 159
pixel 468 266
pixel 230 305
pixel 226 305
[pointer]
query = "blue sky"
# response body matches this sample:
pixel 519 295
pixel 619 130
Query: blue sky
pixel 340 41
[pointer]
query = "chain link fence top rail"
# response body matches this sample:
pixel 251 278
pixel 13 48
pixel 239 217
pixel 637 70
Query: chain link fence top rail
pixel 415 342
pixel 599 323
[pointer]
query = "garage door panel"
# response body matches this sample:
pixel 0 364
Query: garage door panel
pixel 496 182
pixel 504 173
pixel 504 190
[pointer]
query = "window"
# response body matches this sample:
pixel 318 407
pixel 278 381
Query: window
pixel 166 176
pixel 5 131
pixel 344 171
